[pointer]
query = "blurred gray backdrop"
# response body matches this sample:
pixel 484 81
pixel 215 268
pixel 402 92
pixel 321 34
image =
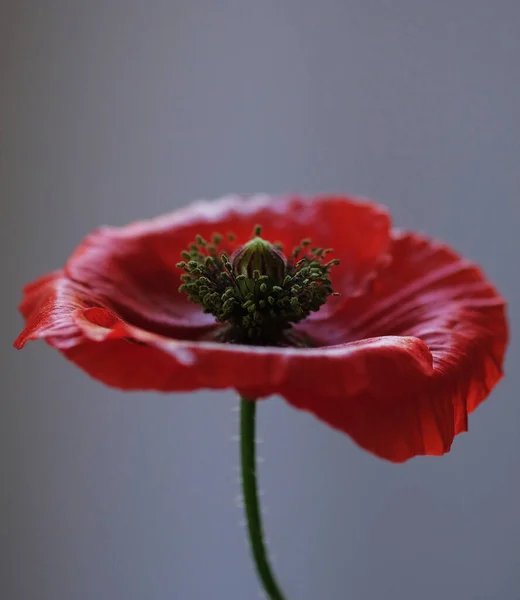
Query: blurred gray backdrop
pixel 114 110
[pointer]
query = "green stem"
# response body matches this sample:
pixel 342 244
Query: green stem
pixel 250 491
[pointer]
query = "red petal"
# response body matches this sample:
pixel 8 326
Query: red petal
pixel 47 306
pixel 427 292
pixel 129 358
pixel 135 276
pixel 133 268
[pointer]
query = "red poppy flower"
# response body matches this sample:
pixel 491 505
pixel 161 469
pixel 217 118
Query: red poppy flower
pixel 414 341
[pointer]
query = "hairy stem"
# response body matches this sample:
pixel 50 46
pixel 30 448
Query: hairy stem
pixel 250 492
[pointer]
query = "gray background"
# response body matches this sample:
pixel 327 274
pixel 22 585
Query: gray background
pixel 117 110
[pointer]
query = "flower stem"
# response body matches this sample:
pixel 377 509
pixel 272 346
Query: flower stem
pixel 250 492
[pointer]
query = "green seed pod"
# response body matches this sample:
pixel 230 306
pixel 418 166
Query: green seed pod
pixel 260 256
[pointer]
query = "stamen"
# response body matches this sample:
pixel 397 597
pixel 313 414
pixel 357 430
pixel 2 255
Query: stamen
pixel 257 294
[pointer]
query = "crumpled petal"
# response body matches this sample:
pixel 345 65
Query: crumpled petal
pixel 130 358
pixel 429 293
pixel 133 267
pixel 401 365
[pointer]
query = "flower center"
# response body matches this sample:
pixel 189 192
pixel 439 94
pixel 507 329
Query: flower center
pixel 258 293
